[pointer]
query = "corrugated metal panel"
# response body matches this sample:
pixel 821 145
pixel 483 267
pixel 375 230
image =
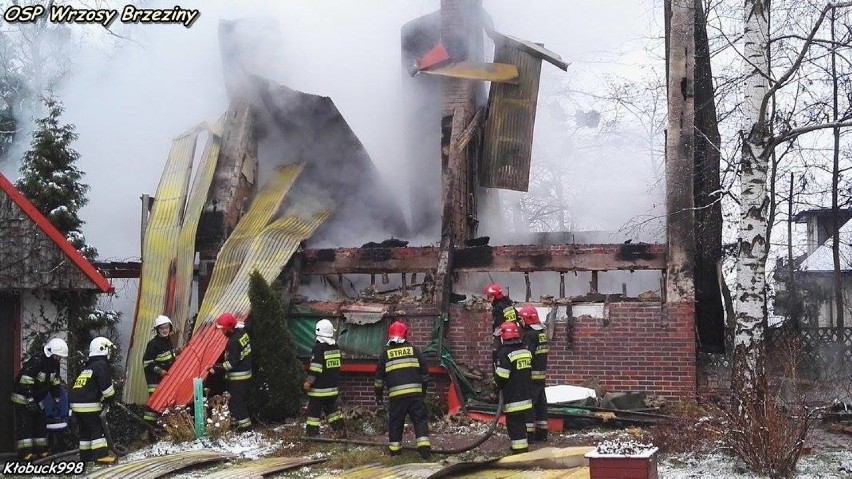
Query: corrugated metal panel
pixel 262 467
pixel 186 241
pixel 469 70
pixel 261 211
pixel 377 471
pixel 533 49
pixel 159 247
pixel 523 473
pixel 267 254
pixel 362 341
pixel 507 149
pixel 154 467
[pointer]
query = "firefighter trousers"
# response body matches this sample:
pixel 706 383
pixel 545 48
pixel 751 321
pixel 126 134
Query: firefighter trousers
pixel 316 407
pixel 93 443
pixel 30 432
pixel 537 416
pixel 238 404
pixel 413 407
pixel 516 427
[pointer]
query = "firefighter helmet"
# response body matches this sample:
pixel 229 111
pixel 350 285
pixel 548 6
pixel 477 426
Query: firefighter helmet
pixel 161 320
pixel 56 346
pixel 325 329
pixel 397 332
pixel 529 315
pixel 494 290
pixel 226 322
pixel 100 346
pixel 509 331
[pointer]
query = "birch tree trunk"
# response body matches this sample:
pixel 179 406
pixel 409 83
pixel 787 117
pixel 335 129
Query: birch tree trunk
pixel 748 369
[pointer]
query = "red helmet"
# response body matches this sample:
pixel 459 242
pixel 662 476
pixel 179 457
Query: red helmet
pixel 529 315
pixel 509 330
pixel 398 330
pixel 226 322
pixel 494 290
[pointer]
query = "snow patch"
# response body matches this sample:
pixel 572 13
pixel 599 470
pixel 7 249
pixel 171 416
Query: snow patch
pixel 828 465
pixel 247 445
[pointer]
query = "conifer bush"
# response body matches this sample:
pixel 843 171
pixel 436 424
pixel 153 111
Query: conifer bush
pixel 278 372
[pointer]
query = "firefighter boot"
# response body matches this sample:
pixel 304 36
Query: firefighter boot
pixel 541 435
pixel 425 452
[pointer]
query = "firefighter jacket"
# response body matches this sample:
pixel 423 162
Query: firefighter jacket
pixel 237 363
pixel 159 356
pixel 535 339
pixel 324 373
pixel 502 309
pixel 402 369
pixel 93 386
pixel 38 376
pixel 512 375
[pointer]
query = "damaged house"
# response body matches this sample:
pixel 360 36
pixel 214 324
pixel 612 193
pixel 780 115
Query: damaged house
pixel 35 261
pixel 282 176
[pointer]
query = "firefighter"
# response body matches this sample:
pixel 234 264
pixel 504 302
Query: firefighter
pixel 90 396
pixel 158 358
pixel 502 310
pixel 38 377
pixel 403 370
pixel 512 373
pixel 236 365
pixel 535 338
pixel 321 383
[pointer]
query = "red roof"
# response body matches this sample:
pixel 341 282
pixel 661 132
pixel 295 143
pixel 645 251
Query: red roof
pixel 58 238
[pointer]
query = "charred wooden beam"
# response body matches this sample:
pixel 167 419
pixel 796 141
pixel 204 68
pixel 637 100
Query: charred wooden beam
pixel 517 258
pixel 117 269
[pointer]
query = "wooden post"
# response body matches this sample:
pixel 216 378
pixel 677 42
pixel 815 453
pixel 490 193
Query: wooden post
pixel 593 284
pixel 561 284
pixel 529 289
pixel 404 285
pixel 680 144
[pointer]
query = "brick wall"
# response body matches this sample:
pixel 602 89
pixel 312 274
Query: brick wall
pixel 637 346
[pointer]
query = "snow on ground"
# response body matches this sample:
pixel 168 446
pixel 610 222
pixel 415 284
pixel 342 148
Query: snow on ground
pixel 826 465
pixel 247 445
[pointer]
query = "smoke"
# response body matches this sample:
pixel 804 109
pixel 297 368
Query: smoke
pixel 128 99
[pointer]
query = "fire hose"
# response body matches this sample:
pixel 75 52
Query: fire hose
pixel 459 450
pixel 118 449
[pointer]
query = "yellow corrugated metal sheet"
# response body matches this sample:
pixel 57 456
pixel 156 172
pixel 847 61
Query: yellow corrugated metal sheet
pixel 427 470
pixel 159 247
pixel 469 70
pixel 236 247
pixel 261 467
pixel 268 253
pixel 154 467
pixel 507 149
pixel 378 471
pixel 186 241
pixel 575 473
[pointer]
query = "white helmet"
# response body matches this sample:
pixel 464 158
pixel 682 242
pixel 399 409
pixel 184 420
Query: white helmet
pixel 100 346
pixel 56 346
pixel 161 320
pixel 325 329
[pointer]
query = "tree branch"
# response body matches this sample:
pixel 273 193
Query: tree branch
pixel 801 56
pixel 788 135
